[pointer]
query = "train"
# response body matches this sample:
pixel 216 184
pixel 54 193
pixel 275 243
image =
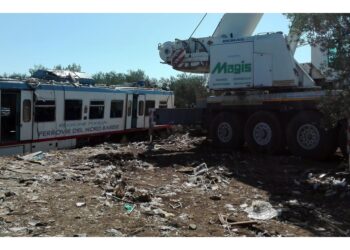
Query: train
pixel 42 115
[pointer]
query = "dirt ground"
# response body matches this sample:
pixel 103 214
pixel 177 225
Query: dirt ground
pixel 179 186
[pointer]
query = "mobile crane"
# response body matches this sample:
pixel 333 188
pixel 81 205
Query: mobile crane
pixel 262 96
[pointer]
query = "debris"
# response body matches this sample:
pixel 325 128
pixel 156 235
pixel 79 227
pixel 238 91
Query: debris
pixel 243 206
pixel 167 228
pixel 35 223
pixel 229 207
pixel 339 183
pixel 17 229
pixel 80 235
pixel 216 197
pixel 162 213
pixel 114 232
pixel 261 210
pixel 192 226
pixel 9 194
pixel 176 205
pixel 200 169
pixel 293 202
pixel 186 170
pixel 242 223
pixel 142 196
pixel 80 204
pixel 321 176
pixel 165 202
pixel 129 207
pixel 32 156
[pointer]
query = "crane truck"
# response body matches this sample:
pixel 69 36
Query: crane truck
pixel 261 96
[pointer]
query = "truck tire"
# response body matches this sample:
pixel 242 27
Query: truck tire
pixel 306 138
pixel 342 139
pixel 226 131
pixel 263 133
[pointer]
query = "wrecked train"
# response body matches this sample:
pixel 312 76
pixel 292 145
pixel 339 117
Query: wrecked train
pixel 43 115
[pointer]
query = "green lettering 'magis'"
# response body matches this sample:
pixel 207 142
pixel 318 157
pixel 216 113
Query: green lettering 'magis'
pixel 232 68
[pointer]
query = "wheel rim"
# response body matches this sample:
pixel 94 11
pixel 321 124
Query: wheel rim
pixel 308 136
pixel 262 133
pixel 224 132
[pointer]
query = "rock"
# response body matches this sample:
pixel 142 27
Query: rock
pixel 80 204
pixel 192 226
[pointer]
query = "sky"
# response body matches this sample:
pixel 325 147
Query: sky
pixel 107 42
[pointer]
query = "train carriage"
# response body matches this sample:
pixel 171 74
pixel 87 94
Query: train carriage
pixel 44 116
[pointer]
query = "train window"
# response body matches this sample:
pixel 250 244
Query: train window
pixel 72 110
pixel 27 110
pixel 129 108
pixel 163 104
pixel 117 108
pixel 141 107
pixel 96 110
pixel 45 111
pixel 150 104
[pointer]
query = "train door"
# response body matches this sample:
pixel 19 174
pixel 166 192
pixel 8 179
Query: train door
pixel 134 111
pixel 26 112
pixel 10 116
pixel 128 113
pixel 141 111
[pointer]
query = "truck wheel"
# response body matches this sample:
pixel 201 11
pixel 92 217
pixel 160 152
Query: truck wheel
pixel 342 139
pixel 226 131
pixel 306 138
pixel 263 133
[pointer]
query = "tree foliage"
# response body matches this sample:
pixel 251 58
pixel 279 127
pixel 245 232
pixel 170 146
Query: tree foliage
pixel 188 89
pixel 331 32
pixel 114 78
pixel 71 67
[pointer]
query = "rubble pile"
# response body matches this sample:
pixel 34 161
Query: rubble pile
pixel 176 186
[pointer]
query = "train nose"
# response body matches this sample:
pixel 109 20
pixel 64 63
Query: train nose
pixel 165 51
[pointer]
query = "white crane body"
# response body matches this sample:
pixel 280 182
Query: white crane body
pixel 262 96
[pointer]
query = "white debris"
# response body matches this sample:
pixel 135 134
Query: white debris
pixel 200 169
pixel 261 210
pixel 80 204
pixel 229 207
